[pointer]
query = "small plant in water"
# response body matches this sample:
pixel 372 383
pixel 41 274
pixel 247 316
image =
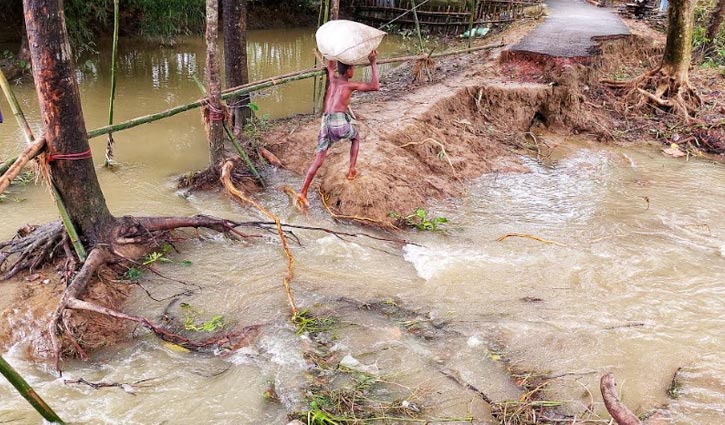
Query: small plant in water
pixel 304 322
pixel 420 220
pixel 155 257
pixel 191 323
pixel 132 273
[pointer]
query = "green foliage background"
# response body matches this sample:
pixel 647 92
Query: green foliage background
pixel 86 19
pixel 716 57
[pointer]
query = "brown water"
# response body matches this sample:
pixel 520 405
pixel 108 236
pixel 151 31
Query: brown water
pixel 635 289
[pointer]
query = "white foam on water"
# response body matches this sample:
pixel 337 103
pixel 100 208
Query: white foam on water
pixel 332 245
pixel 430 261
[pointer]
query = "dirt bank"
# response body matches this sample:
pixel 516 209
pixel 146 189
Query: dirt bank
pixel 421 141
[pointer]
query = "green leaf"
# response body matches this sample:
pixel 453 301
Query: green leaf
pixel 132 273
pixel 253 106
pixel 186 263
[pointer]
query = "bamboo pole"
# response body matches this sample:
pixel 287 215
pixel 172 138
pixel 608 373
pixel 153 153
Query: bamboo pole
pixel 315 82
pixel 28 392
pixel 30 152
pixel 472 6
pixel 260 85
pixel 30 142
pixel 242 153
pixel 5 166
pixel 247 88
pixel 417 24
pixel 14 105
pixel 114 65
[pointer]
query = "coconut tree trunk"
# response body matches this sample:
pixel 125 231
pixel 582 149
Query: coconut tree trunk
pixel 678 50
pixel 68 151
pixel 713 27
pixel 214 110
pixel 235 59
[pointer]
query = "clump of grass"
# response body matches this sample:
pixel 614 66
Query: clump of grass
pixel 305 322
pixel 675 388
pixel 419 219
pixel 352 396
pixel 191 322
pixel 531 407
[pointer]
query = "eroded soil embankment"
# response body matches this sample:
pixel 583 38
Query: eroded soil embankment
pixel 422 144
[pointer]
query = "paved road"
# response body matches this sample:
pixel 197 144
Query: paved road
pixel 568 29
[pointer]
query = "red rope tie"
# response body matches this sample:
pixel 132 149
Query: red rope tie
pixel 70 156
pixel 216 116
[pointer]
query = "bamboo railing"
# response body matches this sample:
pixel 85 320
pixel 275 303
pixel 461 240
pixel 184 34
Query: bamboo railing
pixel 452 18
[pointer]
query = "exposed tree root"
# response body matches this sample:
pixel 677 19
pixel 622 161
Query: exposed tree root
pixel 615 407
pixel 131 238
pixel 662 88
pixel 209 178
pixel 32 247
pixel 365 220
pixel 525 235
pixel 229 186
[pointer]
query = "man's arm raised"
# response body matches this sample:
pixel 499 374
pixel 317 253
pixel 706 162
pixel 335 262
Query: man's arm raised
pixel 374 83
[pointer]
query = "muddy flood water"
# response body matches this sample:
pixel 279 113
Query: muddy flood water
pixel 633 283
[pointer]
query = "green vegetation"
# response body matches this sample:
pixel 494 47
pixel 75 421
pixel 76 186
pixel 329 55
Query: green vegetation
pixel 191 322
pixel 256 126
pixel 155 257
pixel 132 273
pixel 715 57
pixel 420 220
pixel 305 322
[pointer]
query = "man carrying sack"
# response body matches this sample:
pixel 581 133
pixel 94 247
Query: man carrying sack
pixel 336 123
pixel 344 43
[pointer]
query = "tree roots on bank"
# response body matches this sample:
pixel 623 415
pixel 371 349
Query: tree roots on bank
pixel 132 238
pixel 662 88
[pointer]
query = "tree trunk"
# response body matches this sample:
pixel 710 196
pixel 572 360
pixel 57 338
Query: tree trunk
pixel 713 27
pixel 678 50
pixel 335 10
pixel 65 129
pixel 214 110
pixel 235 59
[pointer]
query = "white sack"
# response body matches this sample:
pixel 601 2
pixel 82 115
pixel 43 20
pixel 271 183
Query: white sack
pixel 347 41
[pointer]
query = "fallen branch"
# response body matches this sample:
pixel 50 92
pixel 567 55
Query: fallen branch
pixel 525 235
pixel 14 170
pixel 125 386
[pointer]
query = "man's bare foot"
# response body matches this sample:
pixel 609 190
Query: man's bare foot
pixel 352 174
pixel 301 203
pixel 297 199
